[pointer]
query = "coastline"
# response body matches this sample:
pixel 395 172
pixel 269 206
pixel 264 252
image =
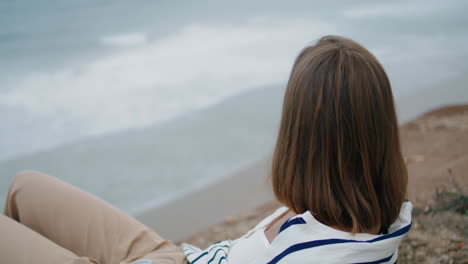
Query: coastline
pixel 211 204
pixel 206 212
pixel 248 188
pixel 435 147
pixel 212 143
pixel 434 144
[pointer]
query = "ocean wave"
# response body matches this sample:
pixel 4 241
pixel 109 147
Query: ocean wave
pixel 124 40
pixel 157 80
pixel 402 9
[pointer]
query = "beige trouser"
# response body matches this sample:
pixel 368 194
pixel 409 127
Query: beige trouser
pixel 49 221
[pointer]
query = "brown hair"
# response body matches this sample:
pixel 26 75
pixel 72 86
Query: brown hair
pixel 338 151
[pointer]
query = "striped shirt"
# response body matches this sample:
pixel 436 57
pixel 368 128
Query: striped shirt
pixel 302 239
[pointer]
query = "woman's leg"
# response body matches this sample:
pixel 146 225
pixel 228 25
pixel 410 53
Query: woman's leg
pixel 83 223
pixel 21 245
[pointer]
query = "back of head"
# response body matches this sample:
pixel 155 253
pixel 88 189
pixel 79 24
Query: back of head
pixel 338 151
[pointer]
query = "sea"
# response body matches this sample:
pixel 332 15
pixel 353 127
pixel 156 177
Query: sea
pixel 142 102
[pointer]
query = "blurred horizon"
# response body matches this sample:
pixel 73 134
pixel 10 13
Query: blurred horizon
pixel 70 70
pixel 125 88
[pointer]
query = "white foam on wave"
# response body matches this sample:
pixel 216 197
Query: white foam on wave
pixel 408 9
pixel 124 40
pixel 147 81
pixel 157 80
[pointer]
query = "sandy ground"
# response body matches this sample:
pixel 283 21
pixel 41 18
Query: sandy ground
pixel 435 146
pixel 211 204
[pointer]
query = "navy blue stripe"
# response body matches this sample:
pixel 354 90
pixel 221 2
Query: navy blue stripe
pixel 399 232
pixel 214 256
pixel 195 260
pixel 290 222
pixel 318 243
pixel 221 259
pixel 378 261
pixel 206 252
pixel 224 246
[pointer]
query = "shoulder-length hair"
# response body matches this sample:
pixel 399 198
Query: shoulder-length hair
pixel 338 152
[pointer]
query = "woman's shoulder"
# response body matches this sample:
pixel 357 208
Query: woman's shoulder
pixel 267 220
pixel 307 237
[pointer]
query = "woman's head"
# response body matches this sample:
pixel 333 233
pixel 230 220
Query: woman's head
pixel 338 151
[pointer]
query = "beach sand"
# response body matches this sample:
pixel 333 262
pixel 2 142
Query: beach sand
pixel 211 204
pixel 435 146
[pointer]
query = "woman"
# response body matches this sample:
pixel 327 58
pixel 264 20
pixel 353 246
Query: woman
pixel 337 169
